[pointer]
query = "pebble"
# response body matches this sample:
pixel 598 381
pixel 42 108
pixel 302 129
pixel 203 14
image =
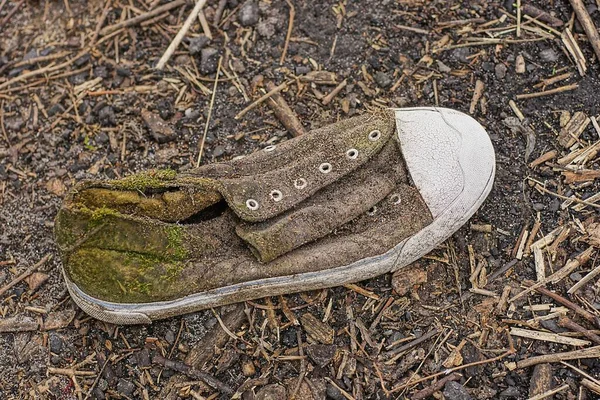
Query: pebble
pixel 208 60
pixel 455 391
pixel 218 151
pixel 197 44
pixel 125 387
pixel 382 79
pixel 443 67
pixel 248 14
pixel 56 343
pixel 575 276
pixel 271 392
pixel 500 71
pixel 510 392
pixel 56 109
pixel 101 71
pixel 549 55
pixel 107 116
pixel 159 129
pixel 321 354
pixel 461 54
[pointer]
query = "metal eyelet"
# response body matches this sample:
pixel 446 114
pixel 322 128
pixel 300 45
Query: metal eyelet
pixel 276 195
pixel 352 154
pixel 325 168
pixel 372 211
pixel 300 183
pixel 395 199
pixel 270 148
pixel 374 135
pixel 252 204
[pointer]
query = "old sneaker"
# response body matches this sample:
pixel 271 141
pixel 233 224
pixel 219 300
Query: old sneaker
pixel 344 203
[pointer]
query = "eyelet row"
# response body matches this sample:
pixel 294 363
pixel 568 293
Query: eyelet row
pixel 324 168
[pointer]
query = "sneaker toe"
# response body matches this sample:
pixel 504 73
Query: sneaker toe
pixel 450 159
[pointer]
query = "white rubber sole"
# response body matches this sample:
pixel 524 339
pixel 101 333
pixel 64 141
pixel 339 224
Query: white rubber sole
pixel 451 161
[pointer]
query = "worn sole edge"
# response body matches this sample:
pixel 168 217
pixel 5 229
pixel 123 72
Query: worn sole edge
pixel 401 255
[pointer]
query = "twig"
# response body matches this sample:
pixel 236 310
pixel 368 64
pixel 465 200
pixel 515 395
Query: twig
pixel 425 393
pixel 219 12
pixel 549 393
pixel 204 25
pixel 588 25
pixel 448 371
pixel 179 37
pixel 342 391
pixel 101 21
pixel 592 352
pixel 284 113
pixel 194 374
pixel 289 31
pixel 547 92
pixel 327 99
pixel 518 18
pixel 591 275
pixel 569 304
pixel 12 12
pixel 572 325
pixel 574 199
pixel 262 99
pixel 412 344
pixel 142 17
pixel 477 93
pixel 227 331
pixel 25 274
pixel 210 108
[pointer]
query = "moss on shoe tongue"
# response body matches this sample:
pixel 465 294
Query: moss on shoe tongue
pixel 115 257
pixel 119 241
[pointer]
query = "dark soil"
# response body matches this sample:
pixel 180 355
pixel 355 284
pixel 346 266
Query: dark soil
pixel 47 144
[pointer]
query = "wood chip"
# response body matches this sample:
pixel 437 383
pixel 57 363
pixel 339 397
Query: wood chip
pixel 592 352
pixel 477 93
pixel 316 329
pixel 548 337
pixel 569 135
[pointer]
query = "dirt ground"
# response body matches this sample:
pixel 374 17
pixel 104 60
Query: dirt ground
pixel 72 91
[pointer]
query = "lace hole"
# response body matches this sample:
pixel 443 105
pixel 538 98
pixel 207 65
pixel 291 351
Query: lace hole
pixel 325 168
pixel 269 148
pixel 395 199
pixel 300 183
pixel 374 135
pixel 252 204
pixel 276 195
pixel 352 154
pixel 372 211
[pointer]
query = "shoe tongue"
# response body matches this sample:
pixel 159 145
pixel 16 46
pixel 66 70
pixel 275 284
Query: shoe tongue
pixel 269 182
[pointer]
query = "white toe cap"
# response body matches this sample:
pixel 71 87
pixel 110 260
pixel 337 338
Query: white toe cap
pixel 449 156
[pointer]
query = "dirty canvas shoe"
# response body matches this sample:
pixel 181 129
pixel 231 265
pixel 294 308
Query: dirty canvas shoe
pixel 344 203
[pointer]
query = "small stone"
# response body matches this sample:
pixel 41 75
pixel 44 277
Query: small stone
pixel 271 392
pixel 165 108
pixel 124 72
pixel 190 113
pixel 302 70
pixel 520 64
pixel 125 387
pixel 549 55
pixel 382 79
pixel 218 151
pixel 14 123
pixel 248 368
pixel 101 138
pixel 56 109
pixel 159 129
pixel 208 60
pixel 461 54
pixel 55 343
pixel 182 59
pixel 107 116
pixel 170 337
pixel 197 44
pixel 455 391
pixel 510 392
pixel 443 67
pixel 56 187
pixel 248 14
pixel 82 60
pixel 576 276
pixel 500 71
pixel 100 71
pixel 321 354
